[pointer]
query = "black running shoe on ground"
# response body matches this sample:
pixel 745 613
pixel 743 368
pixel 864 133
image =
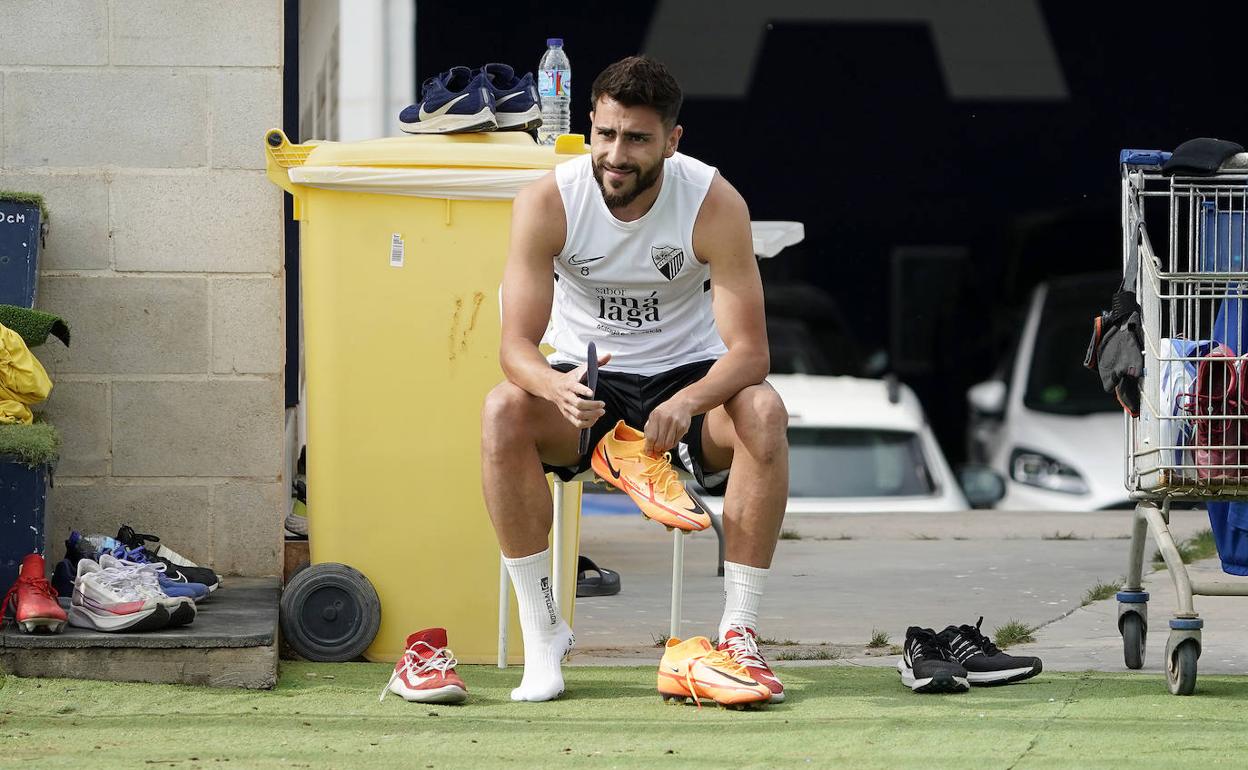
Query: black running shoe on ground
pixel 984 662
pixel 925 665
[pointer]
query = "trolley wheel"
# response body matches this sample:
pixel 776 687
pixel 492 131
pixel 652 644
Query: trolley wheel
pixel 1134 638
pixel 329 613
pixel 1181 668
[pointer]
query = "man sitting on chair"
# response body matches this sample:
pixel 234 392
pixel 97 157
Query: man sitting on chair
pixel 653 260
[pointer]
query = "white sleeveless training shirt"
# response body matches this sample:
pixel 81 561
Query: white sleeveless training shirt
pixel 633 288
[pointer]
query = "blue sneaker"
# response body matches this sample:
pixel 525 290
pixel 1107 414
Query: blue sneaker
pixel 517 107
pixel 454 102
pixel 196 591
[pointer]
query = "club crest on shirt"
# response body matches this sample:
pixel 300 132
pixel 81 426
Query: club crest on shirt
pixel 668 259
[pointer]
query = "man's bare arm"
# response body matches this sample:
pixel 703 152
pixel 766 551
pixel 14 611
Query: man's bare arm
pixel 722 238
pixel 538 231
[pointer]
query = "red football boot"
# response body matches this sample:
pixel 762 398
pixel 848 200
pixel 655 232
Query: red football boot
pixel 34 599
pixel 426 672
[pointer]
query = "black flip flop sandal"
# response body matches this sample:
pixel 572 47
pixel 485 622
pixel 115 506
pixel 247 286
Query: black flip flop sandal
pixel 592 580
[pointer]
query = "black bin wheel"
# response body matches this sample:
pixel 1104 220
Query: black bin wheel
pixel 329 613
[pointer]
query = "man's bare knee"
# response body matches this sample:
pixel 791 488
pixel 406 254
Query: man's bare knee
pixel 505 414
pixel 760 420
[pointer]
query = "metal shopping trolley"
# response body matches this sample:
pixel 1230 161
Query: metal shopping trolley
pixel 1190 439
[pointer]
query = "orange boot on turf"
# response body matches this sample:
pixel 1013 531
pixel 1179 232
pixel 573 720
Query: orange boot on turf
pixel 694 669
pixel 620 459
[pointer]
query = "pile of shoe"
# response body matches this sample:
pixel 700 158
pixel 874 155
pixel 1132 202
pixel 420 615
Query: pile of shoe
pixel 463 100
pixel 120 584
pixel 958 657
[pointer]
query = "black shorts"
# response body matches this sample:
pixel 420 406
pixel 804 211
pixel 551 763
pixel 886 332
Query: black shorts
pixel 631 398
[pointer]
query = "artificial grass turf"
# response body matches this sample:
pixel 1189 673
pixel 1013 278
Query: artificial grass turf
pixel 328 716
pixel 32 444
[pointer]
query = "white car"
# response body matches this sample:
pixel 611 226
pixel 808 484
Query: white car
pixel 1043 422
pixel 861 445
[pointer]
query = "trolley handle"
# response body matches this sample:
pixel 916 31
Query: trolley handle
pixel 1143 158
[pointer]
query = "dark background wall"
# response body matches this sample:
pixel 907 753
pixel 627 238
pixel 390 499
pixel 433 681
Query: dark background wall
pixel 928 217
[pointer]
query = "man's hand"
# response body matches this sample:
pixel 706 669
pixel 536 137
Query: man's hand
pixel 667 424
pixel 574 398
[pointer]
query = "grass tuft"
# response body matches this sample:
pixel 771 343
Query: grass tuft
pixel 878 638
pixel 923 536
pixel 819 653
pixel 790 534
pixel 1061 536
pixel 1012 633
pixel 660 640
pixel 1197 547
pixel 1101 591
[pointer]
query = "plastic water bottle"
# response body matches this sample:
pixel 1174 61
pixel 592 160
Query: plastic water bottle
pixel 554 85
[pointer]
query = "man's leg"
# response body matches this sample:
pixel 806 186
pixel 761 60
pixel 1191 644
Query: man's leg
pixel 518 430
pixel 748 435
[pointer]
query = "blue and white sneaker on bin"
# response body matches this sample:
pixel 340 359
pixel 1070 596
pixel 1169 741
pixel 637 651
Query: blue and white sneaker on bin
pixel 517 106
pixel 455 102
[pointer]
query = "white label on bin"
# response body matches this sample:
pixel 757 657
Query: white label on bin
pixel 396 250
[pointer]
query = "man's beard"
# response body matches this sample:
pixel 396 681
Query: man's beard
pixel 644 181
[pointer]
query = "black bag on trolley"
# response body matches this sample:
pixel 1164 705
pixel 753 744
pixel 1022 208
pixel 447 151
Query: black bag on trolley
pixel 1116 350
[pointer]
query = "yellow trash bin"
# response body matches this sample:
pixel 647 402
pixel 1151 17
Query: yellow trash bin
pixel 403 242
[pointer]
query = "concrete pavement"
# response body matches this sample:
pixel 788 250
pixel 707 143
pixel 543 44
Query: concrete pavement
pixel 838 578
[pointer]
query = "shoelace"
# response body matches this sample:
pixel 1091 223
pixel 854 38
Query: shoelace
pixel 715 659
pixel 131 539
pixel 977 637
pixel 441 659
pixel 926 646
pixel 120 583
pixel 147 572
pixel 138 579
pixel 660 474
pixel 137 555
pixel 35 583
pixel 744 648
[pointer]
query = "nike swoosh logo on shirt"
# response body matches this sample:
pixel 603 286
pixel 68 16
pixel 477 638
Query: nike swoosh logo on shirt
pixel 572 260
pixel 441 110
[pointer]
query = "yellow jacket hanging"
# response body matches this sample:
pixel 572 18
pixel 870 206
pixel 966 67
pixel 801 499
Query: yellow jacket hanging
pixel 23 380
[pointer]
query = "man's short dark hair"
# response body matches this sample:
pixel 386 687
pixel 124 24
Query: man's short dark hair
pixel 639 81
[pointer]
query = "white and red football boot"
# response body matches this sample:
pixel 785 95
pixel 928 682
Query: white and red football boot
pixel 741 644
pixel 426 672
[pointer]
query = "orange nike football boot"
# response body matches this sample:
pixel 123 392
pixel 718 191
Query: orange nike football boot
pixel 620 460
pixel 694 669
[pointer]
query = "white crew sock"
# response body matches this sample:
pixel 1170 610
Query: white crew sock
pixel 547 638
pixel 743 589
